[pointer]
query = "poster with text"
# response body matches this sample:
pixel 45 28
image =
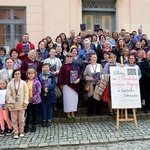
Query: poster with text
pixel 125 91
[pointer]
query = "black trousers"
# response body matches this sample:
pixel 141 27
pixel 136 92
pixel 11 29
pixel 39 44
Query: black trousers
pixel 147 100
pixel 94 105
pixel 32 111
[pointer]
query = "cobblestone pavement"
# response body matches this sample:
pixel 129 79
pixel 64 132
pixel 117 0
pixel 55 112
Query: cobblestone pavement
pixel 130 145
pixel 78 134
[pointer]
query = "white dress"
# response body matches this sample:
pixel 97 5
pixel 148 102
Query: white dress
pixel 70 99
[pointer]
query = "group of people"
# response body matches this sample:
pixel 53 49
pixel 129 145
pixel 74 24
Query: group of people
pixel 29 76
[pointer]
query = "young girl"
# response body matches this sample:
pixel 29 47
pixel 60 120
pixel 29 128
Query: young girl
pixel 48 82
pixel 4 115
pixel 34 86
pixel 17 101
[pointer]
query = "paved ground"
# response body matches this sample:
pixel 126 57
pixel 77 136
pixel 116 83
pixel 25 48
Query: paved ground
pixel 131 145
pixel 78 134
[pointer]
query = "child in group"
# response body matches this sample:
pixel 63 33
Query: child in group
pixel 48 82
pixel 4 114
pixel 17 101
pixel 34 86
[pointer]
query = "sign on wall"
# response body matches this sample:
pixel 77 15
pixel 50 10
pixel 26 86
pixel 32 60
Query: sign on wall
pixel 125 91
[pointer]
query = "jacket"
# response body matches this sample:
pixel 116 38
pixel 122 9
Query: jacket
pixel 23 97
pixel 88 75
pixel 51 97
pixel 19 48
pixel 36 92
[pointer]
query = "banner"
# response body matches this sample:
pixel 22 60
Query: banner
pixel 125 91
pixel 2 96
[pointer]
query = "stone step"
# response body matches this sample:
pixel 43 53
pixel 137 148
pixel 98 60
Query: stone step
pixel 84 118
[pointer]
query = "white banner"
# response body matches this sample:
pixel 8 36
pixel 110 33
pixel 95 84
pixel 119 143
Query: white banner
pixel 2 96
pixel 125 92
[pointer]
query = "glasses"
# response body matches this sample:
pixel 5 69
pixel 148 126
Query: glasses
pixel 17 74
pixel 69 56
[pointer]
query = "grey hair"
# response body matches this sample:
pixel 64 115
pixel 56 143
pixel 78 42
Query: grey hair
pixel 148 52
pixel 30 52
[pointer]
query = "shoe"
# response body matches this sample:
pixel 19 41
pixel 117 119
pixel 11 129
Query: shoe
pixel 16 136
pixel 73 117
pixel 48 123
pixel 33 128
pixel 9 131
pixel 69 117
pixel 111 114
pixel 2 132
pixel 44 124
pixel 26 129
pixel 21 134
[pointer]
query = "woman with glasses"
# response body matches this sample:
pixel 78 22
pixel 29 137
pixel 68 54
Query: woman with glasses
pixel 17 101
pixel 69 78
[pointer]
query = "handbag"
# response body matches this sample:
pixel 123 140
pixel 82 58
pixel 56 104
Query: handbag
pixel 57 92
pixel 87 87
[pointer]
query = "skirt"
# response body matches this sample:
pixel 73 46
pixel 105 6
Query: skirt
pixel 70 99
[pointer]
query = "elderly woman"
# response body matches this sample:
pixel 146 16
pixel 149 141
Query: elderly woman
pixel 92 76
pixel 85 54
pixel 54 63
pixel 6 74
pixel 69 78
pixel 29 63
pixel 111 63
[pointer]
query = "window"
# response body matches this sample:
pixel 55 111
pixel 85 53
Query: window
pixel 12 26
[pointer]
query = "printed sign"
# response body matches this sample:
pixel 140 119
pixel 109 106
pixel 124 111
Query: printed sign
pixel 125 91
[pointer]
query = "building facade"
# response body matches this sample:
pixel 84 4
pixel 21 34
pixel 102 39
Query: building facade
pixel 40 18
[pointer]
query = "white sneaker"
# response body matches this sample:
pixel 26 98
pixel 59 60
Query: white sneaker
pixel 16 136
pixel 22 134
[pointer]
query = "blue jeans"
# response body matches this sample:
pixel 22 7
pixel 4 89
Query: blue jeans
pixel 47 110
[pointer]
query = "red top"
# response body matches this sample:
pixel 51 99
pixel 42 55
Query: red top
pixel 19 48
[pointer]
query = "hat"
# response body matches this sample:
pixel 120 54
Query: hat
pixel 87 41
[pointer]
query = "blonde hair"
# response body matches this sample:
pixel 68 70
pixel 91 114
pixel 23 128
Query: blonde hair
pixel 31 71
pixel 113 55
pixel 32 51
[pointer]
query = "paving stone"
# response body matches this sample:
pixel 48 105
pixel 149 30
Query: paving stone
pixel 14 146
pixel 53 143
pixel 94 141
pixel 104 118
pixel 97 118
pixel 129 138
pixel 77 119
pixel 84 142
pixel 121 139
pixel 33 145
pixel 4 146
pixel 23 146
pixel 83 119
pixel 112 140
pixel 43 144
pixel 103 140
pixel 55 120
pixel 64 143
pixel 76 142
